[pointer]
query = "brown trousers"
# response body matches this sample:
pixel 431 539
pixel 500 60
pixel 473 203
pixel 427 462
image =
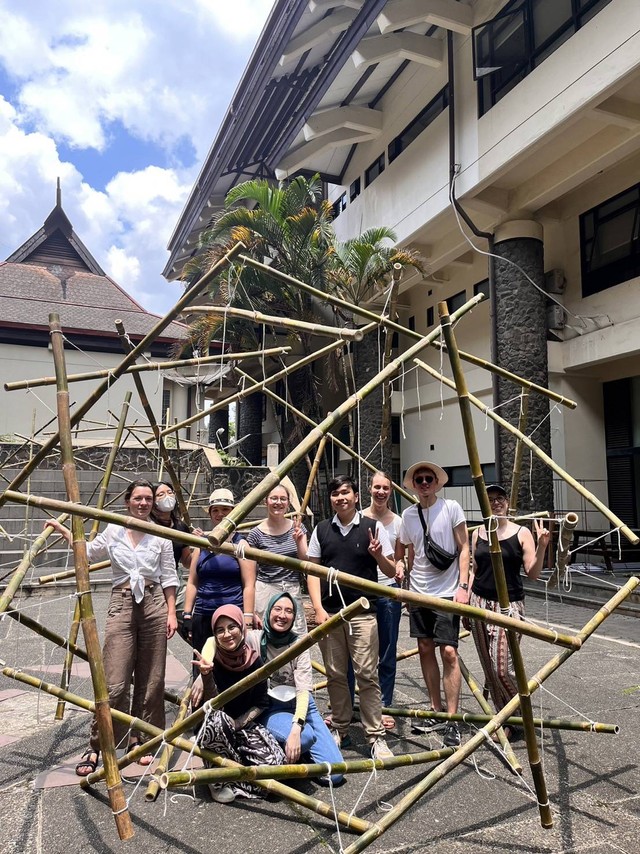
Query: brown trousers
pixel 135 646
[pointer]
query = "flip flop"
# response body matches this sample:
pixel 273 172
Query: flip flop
pixel 87 762
pixel 145 760
pixel 388 722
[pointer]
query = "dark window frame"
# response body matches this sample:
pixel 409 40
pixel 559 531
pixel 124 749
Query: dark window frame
pixel 355 189
pixel 601 276
pixel 339 205
pixel 494 85
pixel 375 170
pixel 420 123
pixel 456 301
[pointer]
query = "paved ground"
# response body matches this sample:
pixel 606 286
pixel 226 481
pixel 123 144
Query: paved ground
pixel 593 780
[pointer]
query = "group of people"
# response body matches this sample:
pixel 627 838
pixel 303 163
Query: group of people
pixel 238 614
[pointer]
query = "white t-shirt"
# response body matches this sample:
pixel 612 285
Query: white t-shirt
pixel 441 519
pixel 392 529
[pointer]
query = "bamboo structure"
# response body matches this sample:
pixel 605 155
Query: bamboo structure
pixel 476 690
pixel 251 773
pixel 70 573
pixel 312 476
pixel 148 411
pixel 227 525
pixel 565 538
pixel 579 488
pixel 128 360
pixel 260 555
pixel 153 789
pixel 219 358
pixel 466 749
pixel 285 322
pixel 92 642
pixel 403 330
pixel 517 457
pixel 513 720
pixel 289 369
pixel 535 760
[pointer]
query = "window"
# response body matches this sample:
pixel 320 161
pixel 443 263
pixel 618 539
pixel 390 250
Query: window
pixel 430 317
pixel 461 475
pixel 422 121
pixel 339 205
pixel 456 301
pixel 482 288
pixel 166 405
pixel 412 323
pixel 610 242
pixel 354 190
pixel 508 48
pixel 376 168
pixel 621 400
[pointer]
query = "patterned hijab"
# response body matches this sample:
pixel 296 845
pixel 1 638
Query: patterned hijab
pixel 272 637
pixel 242 657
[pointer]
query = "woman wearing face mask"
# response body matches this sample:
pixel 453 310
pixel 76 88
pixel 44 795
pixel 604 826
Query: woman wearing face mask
pixel 140 619
pixel 233 731
pixel 217 579
pixel 282 536
pixel 165 512
pixel 292 716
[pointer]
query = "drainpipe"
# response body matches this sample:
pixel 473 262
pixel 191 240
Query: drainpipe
pixel 486 235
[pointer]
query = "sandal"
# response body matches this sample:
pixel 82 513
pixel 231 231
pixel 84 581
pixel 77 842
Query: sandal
pixel 145 760
pixel 87 762
pixel 388 722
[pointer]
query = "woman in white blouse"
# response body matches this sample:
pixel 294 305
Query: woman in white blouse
pixel 140 618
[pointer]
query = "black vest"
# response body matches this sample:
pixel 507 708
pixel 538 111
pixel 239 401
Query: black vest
pixel 347 554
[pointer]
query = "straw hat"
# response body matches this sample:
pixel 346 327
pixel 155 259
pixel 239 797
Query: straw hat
pixel 221 498
pixel 439 472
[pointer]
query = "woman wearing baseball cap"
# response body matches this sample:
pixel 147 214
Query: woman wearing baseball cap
pixel 216 580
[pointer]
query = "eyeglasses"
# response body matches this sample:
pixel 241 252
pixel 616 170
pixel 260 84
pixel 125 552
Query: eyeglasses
pixel 423 478
pixel 231 629
pixel 286 611
pixel 498 499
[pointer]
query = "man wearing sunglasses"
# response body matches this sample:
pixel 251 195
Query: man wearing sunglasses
pixel 442 520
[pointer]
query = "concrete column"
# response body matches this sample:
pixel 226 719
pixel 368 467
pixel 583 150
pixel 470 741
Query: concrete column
pixel 521 339
pixel 217 420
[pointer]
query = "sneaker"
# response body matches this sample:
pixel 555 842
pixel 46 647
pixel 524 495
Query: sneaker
pixel 222 794
pixel 424 726
pixel 451 737
pixel 380 749
pixel 342 741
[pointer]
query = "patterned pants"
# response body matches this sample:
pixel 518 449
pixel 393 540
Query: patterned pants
pixel 252 745
pixel 493 650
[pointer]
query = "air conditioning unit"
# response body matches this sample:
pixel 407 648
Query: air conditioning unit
pixel 556 317
pixel 555 282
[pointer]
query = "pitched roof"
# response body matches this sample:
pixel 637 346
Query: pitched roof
pixel 53 271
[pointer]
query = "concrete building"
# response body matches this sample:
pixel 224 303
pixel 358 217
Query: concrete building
pixel 528 114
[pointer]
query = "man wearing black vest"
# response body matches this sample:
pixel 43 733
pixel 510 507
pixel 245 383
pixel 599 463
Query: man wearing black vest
pixel 355 544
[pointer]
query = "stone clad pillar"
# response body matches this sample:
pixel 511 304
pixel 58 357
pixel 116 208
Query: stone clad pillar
pixel 250 428
pixel 521 340
pixel 217 420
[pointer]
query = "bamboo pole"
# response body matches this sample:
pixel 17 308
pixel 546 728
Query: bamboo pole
pixel 466 749
pixel 153 424
pixel 565 538
pixel 579 488
pixel 535 760
pixel 238 513
pixel 271 320
pixel 476 690
pixel 251 773
pixel 403 330
pixel 150 366
pixel 70 573
pixel 128 360
pixel 312 476
pixel 537 514
pixel 272 786
pixel 102 495
pixel 21 570
pixel 370 587
pixel 324 351
pixel 513 720
pixel 92 642
pixel 517 458
pixel 153 788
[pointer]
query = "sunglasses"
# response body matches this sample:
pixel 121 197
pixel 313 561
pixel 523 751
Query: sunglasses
pixel 423 478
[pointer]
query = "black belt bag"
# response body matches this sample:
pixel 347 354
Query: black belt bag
pixel 437 556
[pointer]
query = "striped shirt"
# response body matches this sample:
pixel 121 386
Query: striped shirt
pixel 280 544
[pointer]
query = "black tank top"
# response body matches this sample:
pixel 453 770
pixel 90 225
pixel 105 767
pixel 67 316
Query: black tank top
pixel 483 582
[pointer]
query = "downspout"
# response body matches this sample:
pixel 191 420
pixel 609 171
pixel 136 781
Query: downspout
pixel 486 235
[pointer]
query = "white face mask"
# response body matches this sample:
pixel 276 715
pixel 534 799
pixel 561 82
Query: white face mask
pixel 166 503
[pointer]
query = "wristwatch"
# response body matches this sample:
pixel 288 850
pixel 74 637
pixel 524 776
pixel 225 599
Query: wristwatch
pixel 300 722
pixel 463 585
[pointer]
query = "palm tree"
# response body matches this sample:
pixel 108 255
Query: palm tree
pixel 361 270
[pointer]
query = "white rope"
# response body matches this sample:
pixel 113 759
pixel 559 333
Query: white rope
pixel 332 578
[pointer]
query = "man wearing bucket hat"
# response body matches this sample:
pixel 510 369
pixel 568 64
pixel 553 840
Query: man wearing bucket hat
pixel 436 532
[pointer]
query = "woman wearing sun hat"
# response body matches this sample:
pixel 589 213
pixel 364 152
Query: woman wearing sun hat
pixel 443 520
pixel 217 579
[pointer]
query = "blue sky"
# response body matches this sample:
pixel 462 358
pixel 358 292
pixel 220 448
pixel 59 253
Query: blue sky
pixel 121 99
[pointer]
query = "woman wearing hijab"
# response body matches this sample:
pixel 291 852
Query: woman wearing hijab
pixel 233 731
pixel 292 716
